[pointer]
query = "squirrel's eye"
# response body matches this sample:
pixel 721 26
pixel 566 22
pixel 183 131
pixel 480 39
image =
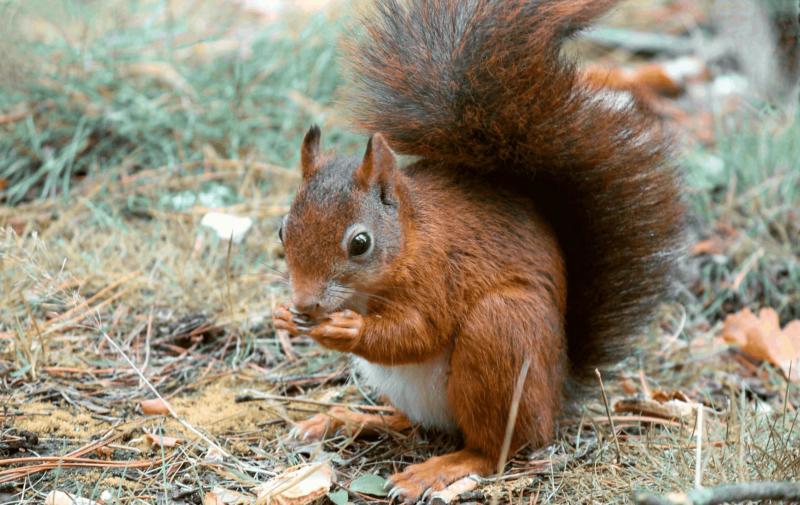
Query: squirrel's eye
pixel 359 244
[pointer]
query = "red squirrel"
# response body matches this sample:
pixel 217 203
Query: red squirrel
pixel 540 221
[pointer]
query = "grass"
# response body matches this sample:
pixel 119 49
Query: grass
pixel 149 92
pixel 746 194
pixel 123 122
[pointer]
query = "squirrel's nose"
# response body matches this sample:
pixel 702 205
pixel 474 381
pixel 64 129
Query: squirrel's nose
pixel 309 306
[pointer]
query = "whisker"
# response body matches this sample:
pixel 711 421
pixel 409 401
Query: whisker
pixel 275 271
pixel 349 291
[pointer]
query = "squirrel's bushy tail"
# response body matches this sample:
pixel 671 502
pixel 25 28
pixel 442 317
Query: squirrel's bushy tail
pixel 483 84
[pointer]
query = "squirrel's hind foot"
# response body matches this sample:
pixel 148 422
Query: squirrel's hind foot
pixel 421 481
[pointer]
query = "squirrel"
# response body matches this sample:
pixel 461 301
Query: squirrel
pixel 529 240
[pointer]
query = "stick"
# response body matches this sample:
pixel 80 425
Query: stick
pixel 698 464
pixel 730 493
pixel 250 395
pixel 512 420
pixel 172 412
pixel 608 413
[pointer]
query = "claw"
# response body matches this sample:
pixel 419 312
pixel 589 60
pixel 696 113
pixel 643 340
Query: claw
pixel 395 493
pixel 426 495
pixel 301 320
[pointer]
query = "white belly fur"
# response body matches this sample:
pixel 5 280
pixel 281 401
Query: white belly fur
pixel 418 390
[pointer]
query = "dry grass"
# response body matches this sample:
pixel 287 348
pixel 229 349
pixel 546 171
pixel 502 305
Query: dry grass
pixel 123 257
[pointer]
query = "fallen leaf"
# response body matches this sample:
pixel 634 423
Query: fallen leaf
pixel 62 498
pixel 211 498
pixel 214 455
pixel 370 484
pixel 298 486
pixel 222 496
pixel 628 386
pixel 673 405
pixel 763 339
pixel 666 78
pixel 3 184
pixel 104 452
pixel 227 226
pixel 162 441
pixel 663 396
pixel 712 246
pixel 339 497
pixel 156 406
pixel 451 493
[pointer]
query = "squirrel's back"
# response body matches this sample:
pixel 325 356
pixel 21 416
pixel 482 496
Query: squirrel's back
pixel 482 86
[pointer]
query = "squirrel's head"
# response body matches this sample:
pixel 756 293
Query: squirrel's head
pixel 344 227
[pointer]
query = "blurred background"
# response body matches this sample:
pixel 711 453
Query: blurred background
pixel 148 151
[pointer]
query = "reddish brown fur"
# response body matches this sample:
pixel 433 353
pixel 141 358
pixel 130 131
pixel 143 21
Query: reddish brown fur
pixel 527 178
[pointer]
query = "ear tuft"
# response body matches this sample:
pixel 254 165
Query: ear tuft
pixel 309 152
pixel 378 165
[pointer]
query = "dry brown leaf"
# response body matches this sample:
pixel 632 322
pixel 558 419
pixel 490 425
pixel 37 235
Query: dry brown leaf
pixel 665 78
pixel 451 493
pixel 211 498
pixel 222 496
pixel 666 406
pixel 628 386
pixel 104 452
pixel 713 245
pixel 62 498
pixel 156 406
pixel 762 338
pixel 298 486
pixel 161 441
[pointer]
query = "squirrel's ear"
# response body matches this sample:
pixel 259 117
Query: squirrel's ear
pixel 378 165
pixel 309 153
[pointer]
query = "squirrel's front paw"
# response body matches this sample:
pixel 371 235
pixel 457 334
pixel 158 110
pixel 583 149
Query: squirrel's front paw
pixel 339 331
pixel 284 319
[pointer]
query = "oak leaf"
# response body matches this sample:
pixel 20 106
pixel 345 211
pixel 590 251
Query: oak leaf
pixel 762 338
pixel 298 486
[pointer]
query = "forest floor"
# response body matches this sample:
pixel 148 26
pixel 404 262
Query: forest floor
pixel 123 124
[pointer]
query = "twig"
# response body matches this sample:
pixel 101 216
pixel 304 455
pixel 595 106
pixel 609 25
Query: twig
pixel 748 265
pixel 250 395
pixel 730 493
pixel 172 412
pixel 86 303
pixel 63 370
pixel 17 473
pixel 625 419
pixel 286 345
pixel 608 413
pixel 165 402
pixel 698 464
pixel 512 419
